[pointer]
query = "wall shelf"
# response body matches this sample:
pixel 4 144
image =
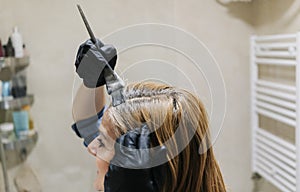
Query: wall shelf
pixel 10 66
pixel 17 150
pixel 17 103
pixel 14 151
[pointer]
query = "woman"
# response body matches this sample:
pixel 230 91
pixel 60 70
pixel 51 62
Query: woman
pixel 152 142
pixel 169 108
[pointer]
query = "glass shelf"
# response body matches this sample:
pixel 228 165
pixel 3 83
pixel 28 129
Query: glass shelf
pixel 13 151
pixel 17 150
pixel 16 103
pixel 9 66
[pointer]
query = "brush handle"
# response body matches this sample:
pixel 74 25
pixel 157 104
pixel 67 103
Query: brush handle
pixel 93 38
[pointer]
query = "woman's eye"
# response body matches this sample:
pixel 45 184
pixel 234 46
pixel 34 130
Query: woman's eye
pixel 100 143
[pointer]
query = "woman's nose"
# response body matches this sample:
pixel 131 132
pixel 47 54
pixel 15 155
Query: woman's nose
pixel 92 147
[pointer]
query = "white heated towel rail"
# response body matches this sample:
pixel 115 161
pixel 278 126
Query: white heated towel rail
pixel 274 158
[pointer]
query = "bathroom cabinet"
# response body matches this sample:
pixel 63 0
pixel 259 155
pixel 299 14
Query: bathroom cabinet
pixel 14 151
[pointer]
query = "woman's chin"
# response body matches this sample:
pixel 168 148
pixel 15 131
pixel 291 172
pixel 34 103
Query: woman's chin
pixel 98 186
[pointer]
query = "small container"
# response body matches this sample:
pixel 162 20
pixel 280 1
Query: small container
pixel 9 49
pixel 17 42
pixel 25 51
pixel 6 130
pixel 6 89
pixel 19 88
pixel 21 123
pixel 31 123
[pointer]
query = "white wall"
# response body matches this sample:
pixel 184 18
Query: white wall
pixel 53 30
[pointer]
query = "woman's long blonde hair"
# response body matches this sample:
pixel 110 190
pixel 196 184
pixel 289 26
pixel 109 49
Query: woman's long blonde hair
pixel 169 111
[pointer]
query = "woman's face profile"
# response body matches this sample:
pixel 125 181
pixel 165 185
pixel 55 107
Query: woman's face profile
pixel 102 148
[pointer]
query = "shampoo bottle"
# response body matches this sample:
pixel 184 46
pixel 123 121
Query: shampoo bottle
pixel 17 42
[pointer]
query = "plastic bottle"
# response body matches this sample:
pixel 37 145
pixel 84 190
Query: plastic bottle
pixel 9 49
pixel 31 124
pixel 25 51
pixel 17 42
pixel 21 123
pixel 19 87
pixel 1 50
pixel 6 89
pixel 6 130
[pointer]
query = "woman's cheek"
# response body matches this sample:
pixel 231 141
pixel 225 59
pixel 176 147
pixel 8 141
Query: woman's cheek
pixel 105 155
pixel 102 168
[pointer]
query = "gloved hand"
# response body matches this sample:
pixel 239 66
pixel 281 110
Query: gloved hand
pixel 132 170
pixel 91 60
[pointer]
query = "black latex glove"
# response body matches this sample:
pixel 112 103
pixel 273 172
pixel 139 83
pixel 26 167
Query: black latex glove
pixel 132 171
pixel 91 59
